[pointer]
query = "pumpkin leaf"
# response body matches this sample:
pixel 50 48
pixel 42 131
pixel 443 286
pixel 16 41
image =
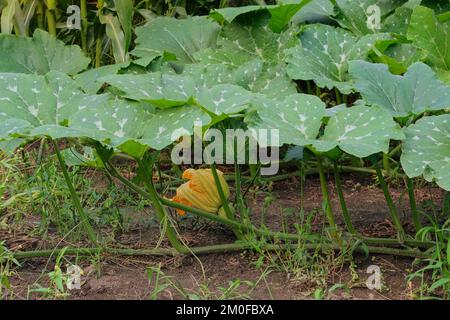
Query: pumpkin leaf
pixel 252 57
pixel 89 80
pixel 324 53
pixel 314 11
pixel 426 150
pixel 224 99
pixel 280 14
pixel 432 36
pixel 298 118
pixel 182 38
pixel 133 127
pixel 44 102
pixel 360 131
pixel 415 92
pixel 162 90
pixel 356 17
pixel 40 54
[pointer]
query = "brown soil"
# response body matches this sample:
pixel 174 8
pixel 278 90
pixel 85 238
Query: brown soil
pixel 126 277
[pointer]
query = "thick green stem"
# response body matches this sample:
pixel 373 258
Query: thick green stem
pixel 160 211
pixel 40 15
pixel 84 24
pixel 345 213
pixel 338 96
pixel 386 163
pixel 326 198
pixel 51 17
pixel 413 205
pixel 98 51
pixel 392 208
pixel 240 204
pixel 223 199
pixel 221 248
pixel 250 228
pixel 75 200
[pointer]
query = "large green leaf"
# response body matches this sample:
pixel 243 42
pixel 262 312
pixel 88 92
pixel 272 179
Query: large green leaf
pixel 42 101
pixel 356 16
pixel 280 14
pixel 40 54
pixel 415 92
pixel 163 90
pixel 428 34
pixel 324 53
pixel 250 56
pixel 360 131
pixel 182 38
pixel 224 99
pixel 314 11
pixel 298 118
pixel 426 150
pixel 89 80
pixel 132 128
pixel 399 56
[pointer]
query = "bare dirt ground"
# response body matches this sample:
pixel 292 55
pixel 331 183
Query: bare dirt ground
pixel 126 277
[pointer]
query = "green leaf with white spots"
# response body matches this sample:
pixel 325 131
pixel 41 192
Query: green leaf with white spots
pixel 415 92
pixel 314 11
pixel 298 118
pixel 133 127
pixel 181 37
pixel 399 56
pixel 89 80
pixel 40 54
pixel 42 101
pixel 118 123
pixel 162 90
pixel 224 99
pixel 10 146
pixel 360 131
pixel 208 75
pixel 324 53
pixel 12 126
pixel 252 57
pixel 280 15
pixel 426 150
pixel 360 17
pixel 432 36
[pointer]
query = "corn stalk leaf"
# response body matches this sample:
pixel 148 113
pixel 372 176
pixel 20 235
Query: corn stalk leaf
pixel 124 9
pixel 7 17
pixel 117 36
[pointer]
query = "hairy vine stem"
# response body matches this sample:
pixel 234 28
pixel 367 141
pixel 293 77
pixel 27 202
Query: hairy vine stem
pixel 75 199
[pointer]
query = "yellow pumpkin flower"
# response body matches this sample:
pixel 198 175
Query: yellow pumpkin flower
pixel 201 191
